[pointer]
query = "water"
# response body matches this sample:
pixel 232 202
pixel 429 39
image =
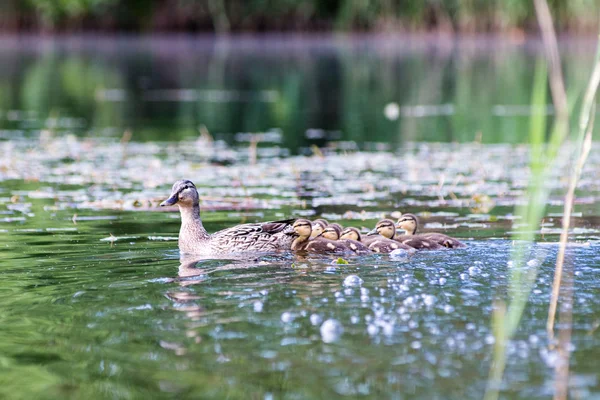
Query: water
pixel 372 89
pixel 95 301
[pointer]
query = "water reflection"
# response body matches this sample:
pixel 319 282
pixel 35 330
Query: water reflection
pixel 365 90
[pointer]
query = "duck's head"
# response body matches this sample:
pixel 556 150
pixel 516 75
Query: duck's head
pixel 408 222
pixel 350 233
pixel 332 232
pixel 318 226
pixel 302 227
pixel 385 228
pixel 183 193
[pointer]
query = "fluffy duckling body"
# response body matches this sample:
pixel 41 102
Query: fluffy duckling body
pixel 194 239
pixel 387 229
pixel 333 232
pixel 381 243
pixel 410 224
pixel 303 229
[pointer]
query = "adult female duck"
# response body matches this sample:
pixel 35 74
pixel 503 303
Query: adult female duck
pixel 194 239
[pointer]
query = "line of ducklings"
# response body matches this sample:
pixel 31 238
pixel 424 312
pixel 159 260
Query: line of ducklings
pixel 319 236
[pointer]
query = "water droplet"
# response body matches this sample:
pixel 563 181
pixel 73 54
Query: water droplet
pixel 258 306
pixel 353 280
pixel 287 317
pixel 331 330
pixel 429 300
pixel 315 319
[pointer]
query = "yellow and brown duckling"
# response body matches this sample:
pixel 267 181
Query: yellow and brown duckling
pixel 318 226
pixel 379 243
pixel 387 229
pixel 334 232
pixel 303 242
pixel 410 224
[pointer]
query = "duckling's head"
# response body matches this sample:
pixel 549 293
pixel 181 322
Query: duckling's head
pixel 350 233
pixel 409 223
pixel 183 193
pixel 302 227
pixel 332 232
pixel 385 228
pixel 318 226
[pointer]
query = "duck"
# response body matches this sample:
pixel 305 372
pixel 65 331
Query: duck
pixel 380 243
pixel 410 224
pixel 334 232
pixel 194 239
pixel 318 226
pixel 303 242
pixel 387 229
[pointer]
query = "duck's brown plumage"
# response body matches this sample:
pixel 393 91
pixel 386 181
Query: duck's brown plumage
pixel 194 239
pixel 387 229
pixel 410 224
pixel 303 230
pixel 380 243
pixel 334 232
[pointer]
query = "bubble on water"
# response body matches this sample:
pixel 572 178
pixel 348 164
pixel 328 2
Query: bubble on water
pixel 533 263
pixel 387 329
pixel 474 270
pixel 464 276
pixel 470 326
pixel 353 280
pixel 331 330
pixel 510 264
pixel 364 299
pixel 258 306
pixel 348 292
pixel 409 301
pixel 287 317
pixel 338 294
pixel 415 345
pixel 315 319
pixel 431 358
pixel 355 319
pixel 429 300
pixel 448 309
pixel 372 330
pixel 264 292
pixel 442 281
pixel 413 324
pixel 578 273
pixel 364 291
pixel 391 111
pixel 534 339
pixel 537 291
pixel 399 253
pixel 490 339
pixel 331 270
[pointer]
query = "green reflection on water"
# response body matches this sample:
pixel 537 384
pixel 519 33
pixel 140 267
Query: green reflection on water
pixel 166 89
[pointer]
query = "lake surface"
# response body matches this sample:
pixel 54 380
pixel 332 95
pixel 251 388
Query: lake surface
pixel 95 301
pixel 388 90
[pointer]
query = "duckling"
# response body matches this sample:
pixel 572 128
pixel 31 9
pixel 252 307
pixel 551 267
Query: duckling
pixel 318 225
pixel 380 243
pixel 387 229
pixel 194 239
pixel 333 232
pixel 409 223
pixel 303 228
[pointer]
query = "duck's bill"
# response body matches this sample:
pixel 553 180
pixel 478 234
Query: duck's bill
pixel 170 201
pixel 373 232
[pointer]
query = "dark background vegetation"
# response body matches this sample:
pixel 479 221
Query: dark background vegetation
pixel 140 16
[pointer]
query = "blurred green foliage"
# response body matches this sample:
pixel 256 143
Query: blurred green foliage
pixel 289 15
